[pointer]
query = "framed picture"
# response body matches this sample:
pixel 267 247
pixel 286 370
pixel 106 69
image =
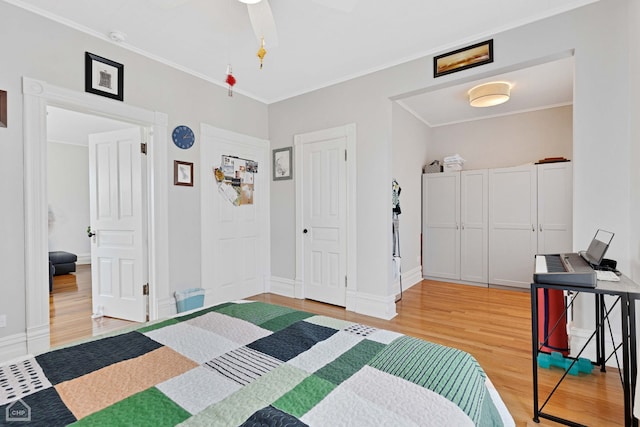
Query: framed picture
pixel 3 108
pixel 282 164
pixel 182 173
pixel 462 59
pixel 103 76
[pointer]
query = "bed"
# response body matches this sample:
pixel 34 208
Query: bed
pixel 249 363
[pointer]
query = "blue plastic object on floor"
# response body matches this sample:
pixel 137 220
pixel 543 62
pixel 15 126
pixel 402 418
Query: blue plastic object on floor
pixel 557 359
pixel 189 299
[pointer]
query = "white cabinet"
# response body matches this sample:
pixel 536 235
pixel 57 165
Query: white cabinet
pixel 513 240
pixel 474 209
pixel 455 226
pixel 441 225
pixel 485 226
pixel 530 211
pixel 555 208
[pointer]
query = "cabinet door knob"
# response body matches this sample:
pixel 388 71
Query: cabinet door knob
pixel 533 227
pixel 540 228
pixel 305 231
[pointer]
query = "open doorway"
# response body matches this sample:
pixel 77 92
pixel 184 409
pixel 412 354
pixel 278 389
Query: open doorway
pixel 37 95
pixel 72 311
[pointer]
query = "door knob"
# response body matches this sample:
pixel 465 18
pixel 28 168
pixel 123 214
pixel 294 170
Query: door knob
pixel 89 232
pixel 305 231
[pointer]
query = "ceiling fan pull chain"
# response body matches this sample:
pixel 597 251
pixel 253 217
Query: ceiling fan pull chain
pixel 261 52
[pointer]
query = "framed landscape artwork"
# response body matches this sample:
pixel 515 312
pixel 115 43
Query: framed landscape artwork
pixel 464 58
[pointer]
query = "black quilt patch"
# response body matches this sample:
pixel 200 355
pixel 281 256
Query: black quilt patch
pixel 293 340
pixel 69 363
pixel 45 409
pixel 272 417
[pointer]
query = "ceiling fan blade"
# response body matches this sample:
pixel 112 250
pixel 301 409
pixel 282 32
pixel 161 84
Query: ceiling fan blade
pixel 263 23
pixel 342 5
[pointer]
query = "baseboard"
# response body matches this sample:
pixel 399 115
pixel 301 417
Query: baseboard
pixel 84 259
pixel 39 339
pixel 409 279
pixel 167 308
pixel 580 336
pixel 282 286
pixel 382 307
pixel 460 282
pixel 12 347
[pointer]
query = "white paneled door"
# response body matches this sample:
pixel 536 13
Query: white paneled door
pixel 324 216
pixel 441 240
pixel 474 236
pixel 513 221
pixel 555 208
pixel 118 266
pixel 234 238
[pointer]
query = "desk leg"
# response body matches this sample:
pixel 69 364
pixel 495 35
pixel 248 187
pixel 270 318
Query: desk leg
pixel 534 349
pixel 626 363
pixel 633 356
pixel 600 329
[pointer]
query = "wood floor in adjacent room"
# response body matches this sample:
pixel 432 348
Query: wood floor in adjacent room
pixel 70 309
pixel 494 325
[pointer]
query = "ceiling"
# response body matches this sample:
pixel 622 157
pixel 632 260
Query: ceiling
pixel 320 42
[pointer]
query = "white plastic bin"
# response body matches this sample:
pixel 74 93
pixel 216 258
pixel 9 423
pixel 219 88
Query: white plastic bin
pixel 188 299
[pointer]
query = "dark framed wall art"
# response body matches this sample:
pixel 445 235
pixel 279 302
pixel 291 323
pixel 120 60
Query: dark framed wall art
pixel 103 77
pixel 464 58
pixel 182 173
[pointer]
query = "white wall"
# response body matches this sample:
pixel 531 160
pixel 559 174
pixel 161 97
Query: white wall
pixel 48 51
pixel 68 189
pixel 597 33
pixel 634 158
pixel 410 139
pixel 507 141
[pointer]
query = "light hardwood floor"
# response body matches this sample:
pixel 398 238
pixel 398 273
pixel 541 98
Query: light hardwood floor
pixel 494 325
pixel 70 309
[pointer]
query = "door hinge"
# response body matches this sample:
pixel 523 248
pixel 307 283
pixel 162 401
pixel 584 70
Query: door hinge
pixel 145 289
pixel 345 155
pixel 143 147
pixel 345 281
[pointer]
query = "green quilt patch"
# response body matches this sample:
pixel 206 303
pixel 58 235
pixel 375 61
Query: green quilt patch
pixel 350 361
pixel 257 313
pixel 158 325
pixel 304 396
pixel 204 311
pixel 147 408
pixel 285 320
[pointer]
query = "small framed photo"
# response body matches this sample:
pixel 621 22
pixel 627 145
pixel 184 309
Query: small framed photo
pixel 3 108
pixel 182 173
pixel 462 59
pixel 103 77
pixel 282 164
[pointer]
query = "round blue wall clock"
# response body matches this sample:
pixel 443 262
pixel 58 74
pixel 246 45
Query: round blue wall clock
pixel 183 137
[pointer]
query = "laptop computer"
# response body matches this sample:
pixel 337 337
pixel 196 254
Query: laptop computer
pixel 597 248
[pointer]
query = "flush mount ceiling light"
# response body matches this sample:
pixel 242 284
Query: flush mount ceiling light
pixel 249 1
pixel 489 94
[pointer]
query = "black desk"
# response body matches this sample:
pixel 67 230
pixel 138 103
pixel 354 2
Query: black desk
pixel 626 292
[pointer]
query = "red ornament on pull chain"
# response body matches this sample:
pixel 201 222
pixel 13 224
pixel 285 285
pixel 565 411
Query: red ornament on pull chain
pixel 230 80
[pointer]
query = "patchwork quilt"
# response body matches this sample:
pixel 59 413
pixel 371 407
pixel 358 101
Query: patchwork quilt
pixel 250 364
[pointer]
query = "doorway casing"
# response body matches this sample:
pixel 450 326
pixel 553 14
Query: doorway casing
pixel 37 95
